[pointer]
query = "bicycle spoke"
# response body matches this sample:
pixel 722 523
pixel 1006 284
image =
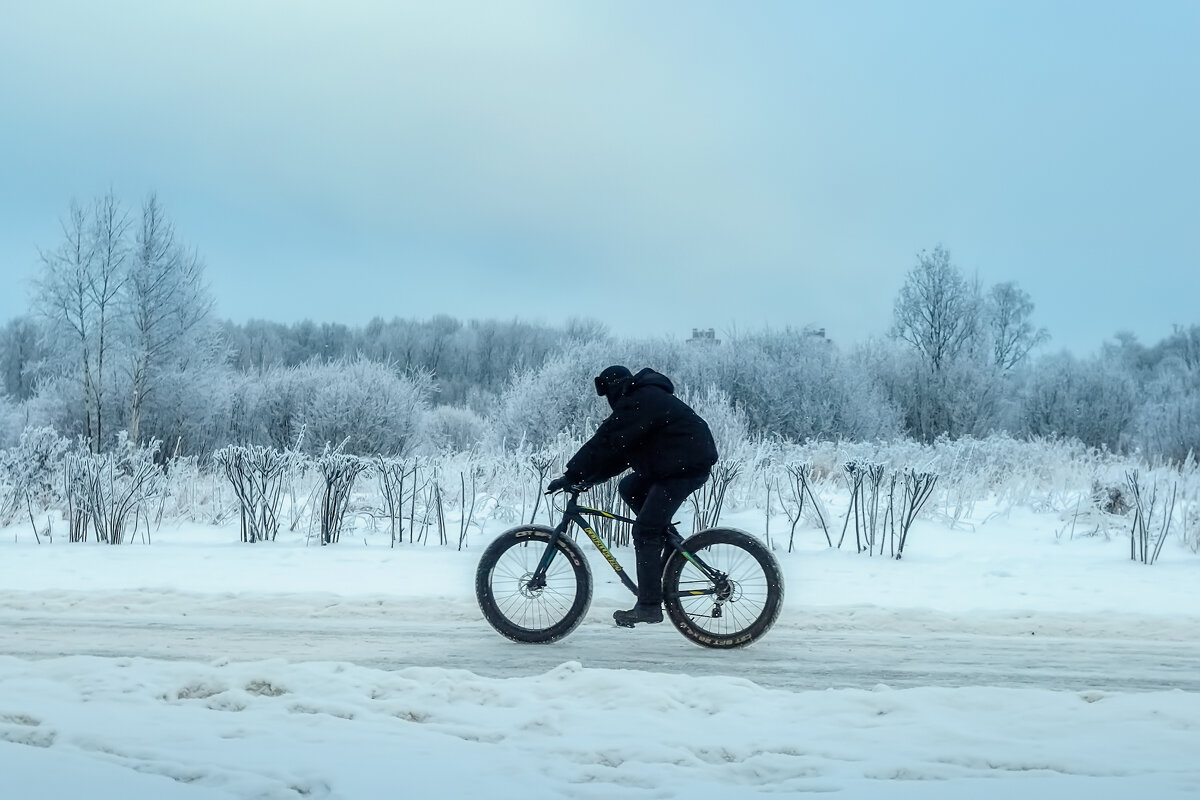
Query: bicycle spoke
pixel 748 597
pixel 522 604
pixel 532 609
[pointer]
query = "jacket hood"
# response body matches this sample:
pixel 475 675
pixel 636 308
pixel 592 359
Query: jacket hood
pixel 646 377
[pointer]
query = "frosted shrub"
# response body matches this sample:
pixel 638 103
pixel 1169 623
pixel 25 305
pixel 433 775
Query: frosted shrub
pixel 197 411
pixel 801 501
pixel 1045 474
pixel 395 486
pixel 520 476
pixel 452 429
pixel 709 499
pixel 418 495
pixel 10 424
pixel 1094 401
pixel 475 493
pixel 792 384
pixel 415 496
pixel 864 480
pixel 1170 425
pixel 1111 498
pixel 917 488
pixel 112 492
pixel 729 427
pixel 364 408
pixel 28 471
pixel 1153 513
pixel 282 404
pixel 191 492
pixel 339 471
pixel 539 406
pixel 257 475
pixel 1190 527
pixel 967 469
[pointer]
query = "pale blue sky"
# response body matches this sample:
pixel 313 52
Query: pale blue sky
pixel 677 164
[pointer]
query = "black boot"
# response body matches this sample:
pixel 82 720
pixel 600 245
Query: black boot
pixel 649 578
pixel 642 612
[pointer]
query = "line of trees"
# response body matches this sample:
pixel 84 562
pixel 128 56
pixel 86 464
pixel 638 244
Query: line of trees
pixel 121 320
pixel 121 337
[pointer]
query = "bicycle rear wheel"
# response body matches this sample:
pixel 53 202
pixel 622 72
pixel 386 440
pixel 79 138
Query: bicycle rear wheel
pixel 732 608
pixel 516 608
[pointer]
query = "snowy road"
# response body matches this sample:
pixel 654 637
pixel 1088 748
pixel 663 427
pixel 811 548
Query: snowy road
pixel 829 647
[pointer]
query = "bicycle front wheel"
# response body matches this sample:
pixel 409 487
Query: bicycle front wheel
pixel 729 595
pixel 517 608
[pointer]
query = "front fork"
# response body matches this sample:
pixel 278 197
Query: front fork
pixel 538 579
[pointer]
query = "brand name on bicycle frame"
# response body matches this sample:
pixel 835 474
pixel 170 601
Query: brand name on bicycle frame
pixel 612 562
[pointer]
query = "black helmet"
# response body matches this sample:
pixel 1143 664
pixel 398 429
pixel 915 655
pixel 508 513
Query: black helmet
pixel 606 379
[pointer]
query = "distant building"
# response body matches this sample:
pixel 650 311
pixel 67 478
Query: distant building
pixel 703 336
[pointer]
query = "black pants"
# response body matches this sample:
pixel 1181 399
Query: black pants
pixel 655 502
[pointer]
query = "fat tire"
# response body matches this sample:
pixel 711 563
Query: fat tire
pixel 759 578
pixel 516 552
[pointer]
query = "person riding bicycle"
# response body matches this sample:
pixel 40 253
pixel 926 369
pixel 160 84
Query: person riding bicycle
pixel 671 452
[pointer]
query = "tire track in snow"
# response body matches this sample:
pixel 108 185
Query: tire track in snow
pixel 815 649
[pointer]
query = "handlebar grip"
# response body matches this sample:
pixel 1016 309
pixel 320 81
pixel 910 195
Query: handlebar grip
pixel 577 488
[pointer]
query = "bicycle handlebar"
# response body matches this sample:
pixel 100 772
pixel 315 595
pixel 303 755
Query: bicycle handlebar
pixel 573 488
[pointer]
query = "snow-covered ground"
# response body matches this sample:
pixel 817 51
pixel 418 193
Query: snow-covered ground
pixel 996 660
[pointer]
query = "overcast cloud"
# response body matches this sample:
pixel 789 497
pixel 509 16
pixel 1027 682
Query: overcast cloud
pixel 657 165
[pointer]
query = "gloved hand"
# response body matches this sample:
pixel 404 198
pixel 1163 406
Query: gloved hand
pixel 557 485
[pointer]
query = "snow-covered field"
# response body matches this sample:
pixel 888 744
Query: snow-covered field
pixel 998 659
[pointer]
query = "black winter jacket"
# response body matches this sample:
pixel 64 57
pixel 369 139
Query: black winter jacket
pixel 650 430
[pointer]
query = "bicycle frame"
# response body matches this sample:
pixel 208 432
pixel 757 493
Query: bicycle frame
pixel 575 513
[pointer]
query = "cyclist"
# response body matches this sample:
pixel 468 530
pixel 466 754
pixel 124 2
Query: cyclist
pixel 671 452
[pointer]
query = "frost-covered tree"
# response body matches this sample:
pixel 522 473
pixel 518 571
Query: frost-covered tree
pixel 166 306
pixel 966 348
pixel 542 404
pixel 1126 353
pixel 124 311
pixel 106 280
pixel 193 408
pixel 1094 401
pixel 65 302
pixel 77 295
pixel 454 429
pixel 242 417
pixel 1167 424
pixel 959 400
pixel 280 399
pixel 793 384
pixel 471 362
pixel 255 346
pixel 937 312
pixel 9 430
pixel 1184 345
pixel 1007 312
pixel 20 352
pixel 728 424
pixel 1168 418
pixel 365 408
